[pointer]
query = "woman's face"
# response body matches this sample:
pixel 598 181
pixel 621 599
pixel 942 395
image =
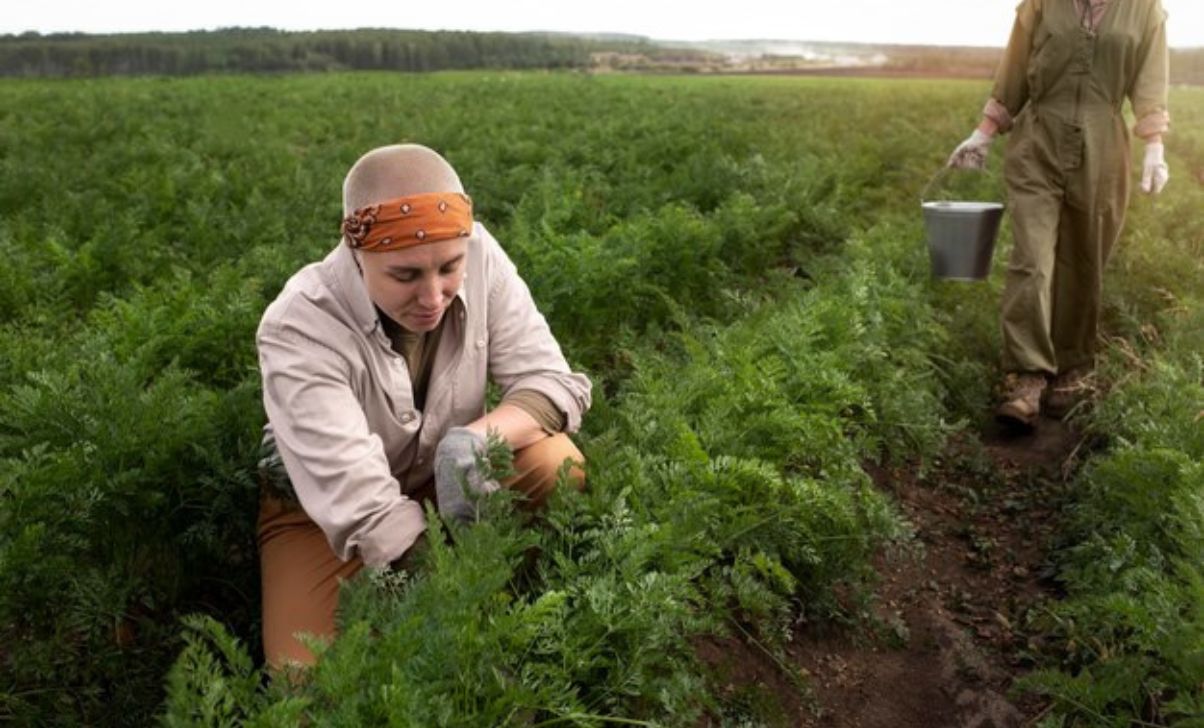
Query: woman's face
pixel 415 285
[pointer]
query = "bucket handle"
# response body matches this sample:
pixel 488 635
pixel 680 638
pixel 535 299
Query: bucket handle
pixel 940 173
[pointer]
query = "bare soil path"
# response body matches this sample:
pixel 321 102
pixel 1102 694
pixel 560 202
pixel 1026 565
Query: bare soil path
pixel 953 609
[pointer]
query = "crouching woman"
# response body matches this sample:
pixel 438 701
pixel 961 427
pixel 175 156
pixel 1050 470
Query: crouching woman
pixel 374 364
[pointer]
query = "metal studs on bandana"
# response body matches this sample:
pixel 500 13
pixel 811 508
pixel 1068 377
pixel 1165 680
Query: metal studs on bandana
pixel 402 221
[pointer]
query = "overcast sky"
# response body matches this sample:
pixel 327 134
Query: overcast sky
pixel 946 22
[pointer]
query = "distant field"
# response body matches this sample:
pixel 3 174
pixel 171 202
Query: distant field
pixel 266 50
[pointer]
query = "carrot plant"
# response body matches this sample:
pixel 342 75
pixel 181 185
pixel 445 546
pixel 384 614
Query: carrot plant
pixel 736 262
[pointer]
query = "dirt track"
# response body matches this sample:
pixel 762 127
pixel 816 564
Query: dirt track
pixel 984 515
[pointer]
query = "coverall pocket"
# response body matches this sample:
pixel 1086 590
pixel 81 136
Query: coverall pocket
pixel 1070 146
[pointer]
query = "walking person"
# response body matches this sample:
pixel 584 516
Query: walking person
pixel 374 364
pixel 1059 90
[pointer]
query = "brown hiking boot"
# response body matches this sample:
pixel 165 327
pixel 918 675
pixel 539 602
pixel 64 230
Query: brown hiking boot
pixel 1021 399
pixel 1067 390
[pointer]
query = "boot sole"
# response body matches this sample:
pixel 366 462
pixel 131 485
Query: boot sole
pixel 1013 417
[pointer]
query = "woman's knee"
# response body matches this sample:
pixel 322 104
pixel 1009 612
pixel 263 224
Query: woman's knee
pixel 539 467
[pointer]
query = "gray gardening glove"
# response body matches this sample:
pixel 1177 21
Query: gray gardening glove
pixel 972 153
pixel 458 480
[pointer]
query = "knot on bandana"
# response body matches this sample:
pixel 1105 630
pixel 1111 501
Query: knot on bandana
pixel 411 220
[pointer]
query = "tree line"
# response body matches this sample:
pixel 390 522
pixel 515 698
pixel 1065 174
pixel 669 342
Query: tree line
pixel 268 50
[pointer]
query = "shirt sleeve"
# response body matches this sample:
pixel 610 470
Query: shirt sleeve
pixel 1010 92
pixel 337 467
pixel 523 354
pixel 998 113
pixel 1148 92
pixel 541 409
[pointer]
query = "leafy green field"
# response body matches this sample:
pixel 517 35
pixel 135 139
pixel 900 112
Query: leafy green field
pixel 738 264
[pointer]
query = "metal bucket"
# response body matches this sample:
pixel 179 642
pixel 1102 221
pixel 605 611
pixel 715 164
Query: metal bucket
pixel 961 238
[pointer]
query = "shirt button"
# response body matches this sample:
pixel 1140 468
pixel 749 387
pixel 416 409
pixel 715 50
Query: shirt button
pixel 480 343
pixel 407 417
pixel 421 461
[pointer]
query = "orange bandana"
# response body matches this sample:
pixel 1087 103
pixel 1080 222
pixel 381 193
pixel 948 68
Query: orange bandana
pixel 405 221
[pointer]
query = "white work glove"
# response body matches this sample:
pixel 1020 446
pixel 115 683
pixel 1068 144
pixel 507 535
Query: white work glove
pixel 459 482
pixel 1154 172
pixel 972 153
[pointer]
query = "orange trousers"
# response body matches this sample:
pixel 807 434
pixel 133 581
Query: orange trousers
pixel 301 574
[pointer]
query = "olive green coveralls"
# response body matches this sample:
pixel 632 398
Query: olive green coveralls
pixel 1067 166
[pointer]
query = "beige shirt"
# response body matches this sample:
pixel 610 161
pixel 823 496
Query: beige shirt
pixel 339 399
pixel 419 351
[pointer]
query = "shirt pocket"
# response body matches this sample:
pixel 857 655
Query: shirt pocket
pixel 389 403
